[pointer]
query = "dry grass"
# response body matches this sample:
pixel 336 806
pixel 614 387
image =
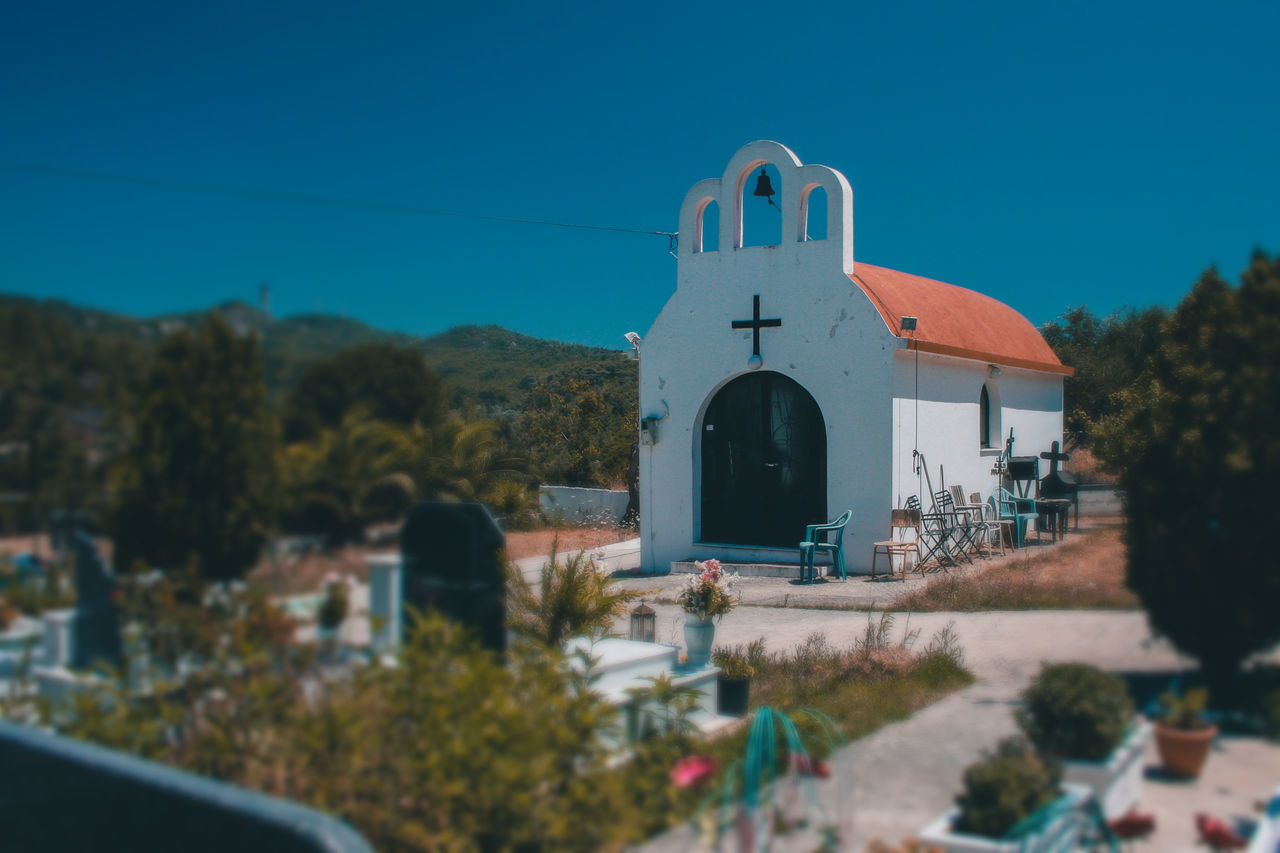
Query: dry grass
pixel 295 574
pixel 866 684
pixel 537 543
pixel 1085 574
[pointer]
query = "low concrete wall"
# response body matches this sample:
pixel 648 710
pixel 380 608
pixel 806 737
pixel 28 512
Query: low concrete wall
pixel 1101 499
pixel 63 794
pixel 583 506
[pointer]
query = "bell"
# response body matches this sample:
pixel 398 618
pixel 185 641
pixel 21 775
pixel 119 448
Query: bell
pixel 763 186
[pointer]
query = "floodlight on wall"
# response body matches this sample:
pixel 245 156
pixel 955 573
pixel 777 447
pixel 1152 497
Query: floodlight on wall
pixel 993 371
pixel 907 324
pixel 649 425
pixel 634 340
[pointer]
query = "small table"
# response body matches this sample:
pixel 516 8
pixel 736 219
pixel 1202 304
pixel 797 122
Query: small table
pixel 1056 512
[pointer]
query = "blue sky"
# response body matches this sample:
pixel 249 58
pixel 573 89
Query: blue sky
pixel 1048 155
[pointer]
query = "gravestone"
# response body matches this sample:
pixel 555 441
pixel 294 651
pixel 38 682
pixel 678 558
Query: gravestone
pixel 450 557
pixel 96 637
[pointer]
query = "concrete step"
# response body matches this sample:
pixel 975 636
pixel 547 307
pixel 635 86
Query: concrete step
pixel 749 570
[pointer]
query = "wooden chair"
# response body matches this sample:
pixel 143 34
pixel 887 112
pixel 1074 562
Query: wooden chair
pixel 900 520
pixel 814 536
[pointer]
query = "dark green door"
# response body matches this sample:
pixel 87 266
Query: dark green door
pixel 764 463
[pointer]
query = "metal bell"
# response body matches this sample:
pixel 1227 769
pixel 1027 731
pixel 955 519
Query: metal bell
pixel 763 186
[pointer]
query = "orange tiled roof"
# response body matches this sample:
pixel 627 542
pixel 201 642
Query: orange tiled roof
pixel 956 321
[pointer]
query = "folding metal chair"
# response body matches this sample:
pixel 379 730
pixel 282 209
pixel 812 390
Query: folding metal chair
pixel 935 534
pixel 957 523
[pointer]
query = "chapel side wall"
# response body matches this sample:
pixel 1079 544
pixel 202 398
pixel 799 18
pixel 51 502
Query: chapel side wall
pixel 1029 402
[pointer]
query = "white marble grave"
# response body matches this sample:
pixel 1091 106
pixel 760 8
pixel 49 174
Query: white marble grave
pixel 621 670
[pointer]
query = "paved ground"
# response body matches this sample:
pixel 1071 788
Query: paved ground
pixel 891 783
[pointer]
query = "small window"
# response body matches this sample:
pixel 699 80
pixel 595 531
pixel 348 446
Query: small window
pixel 984 417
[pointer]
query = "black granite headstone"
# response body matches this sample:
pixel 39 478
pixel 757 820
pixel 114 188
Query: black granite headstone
pixel 450 557
pixel 97 630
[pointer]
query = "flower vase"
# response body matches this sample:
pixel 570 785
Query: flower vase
pixel 699 635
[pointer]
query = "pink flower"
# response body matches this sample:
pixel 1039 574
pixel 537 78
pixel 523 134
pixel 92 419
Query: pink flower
pixel 815 767
pixel 1217 834
pixel 1131 825
pixel 692 770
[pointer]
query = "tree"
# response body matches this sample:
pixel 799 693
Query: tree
pixel 366 470
pixel 1199 454
pixel 346 478
pixel 388 382
pixel 564 429
pixel 198 482
pixel 1108 354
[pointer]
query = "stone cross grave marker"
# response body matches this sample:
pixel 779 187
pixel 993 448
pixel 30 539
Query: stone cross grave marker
pixel 96 637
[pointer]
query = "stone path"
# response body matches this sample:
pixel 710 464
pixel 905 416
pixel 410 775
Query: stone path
pixel 890 784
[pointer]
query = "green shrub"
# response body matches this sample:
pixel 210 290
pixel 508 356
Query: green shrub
pixel 1186 710
pixel 574 598
pixel 335 605
pixel 1075 711
pixel 738 661
pixel 1004 788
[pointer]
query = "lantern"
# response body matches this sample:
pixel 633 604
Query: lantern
pixel 644 624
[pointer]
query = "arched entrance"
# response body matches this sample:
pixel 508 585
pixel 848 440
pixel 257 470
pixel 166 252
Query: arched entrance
pixel 764 462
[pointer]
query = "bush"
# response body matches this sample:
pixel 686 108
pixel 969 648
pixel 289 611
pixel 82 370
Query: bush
pixel 1075 711
pixel 739 661
pixel 1004 788
pixel 1186 710
pixel 1195 444
pixel 335 605
pixel 574 599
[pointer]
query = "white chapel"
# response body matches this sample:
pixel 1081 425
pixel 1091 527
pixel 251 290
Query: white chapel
pixel 780 386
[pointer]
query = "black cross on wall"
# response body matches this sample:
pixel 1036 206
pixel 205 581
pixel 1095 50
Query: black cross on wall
pixel 755 324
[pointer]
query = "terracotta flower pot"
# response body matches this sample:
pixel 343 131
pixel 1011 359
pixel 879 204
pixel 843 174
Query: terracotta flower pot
pixel 1183 752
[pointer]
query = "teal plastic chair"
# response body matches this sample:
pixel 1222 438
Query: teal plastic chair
pixel 815 536
pixel 1021 511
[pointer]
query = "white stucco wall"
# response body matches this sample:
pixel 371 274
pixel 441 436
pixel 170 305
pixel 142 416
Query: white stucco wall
pixel 1027 401
pixel 834 343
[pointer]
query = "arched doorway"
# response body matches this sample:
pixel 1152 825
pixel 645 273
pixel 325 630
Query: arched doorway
pixel 764 462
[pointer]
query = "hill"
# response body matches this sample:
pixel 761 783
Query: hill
pixel 69 374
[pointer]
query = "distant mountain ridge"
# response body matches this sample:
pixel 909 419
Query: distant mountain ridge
pixel 490 365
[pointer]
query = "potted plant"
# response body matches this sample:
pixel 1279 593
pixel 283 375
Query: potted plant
pixel 1012 801
pixel 332 610
pixel 705 596
pixel 1183 734
pixel 1084 718
pixel 736 671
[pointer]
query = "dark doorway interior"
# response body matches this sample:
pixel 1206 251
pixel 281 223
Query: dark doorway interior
pixel 764 463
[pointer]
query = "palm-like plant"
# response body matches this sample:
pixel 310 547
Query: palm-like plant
pixel 364 469
pixel 334 477
pixel 573 599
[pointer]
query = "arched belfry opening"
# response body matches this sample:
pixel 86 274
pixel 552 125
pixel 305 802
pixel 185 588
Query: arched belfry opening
pixel 708 228
pixel 813 213
pixel 759 206
pixel 763 448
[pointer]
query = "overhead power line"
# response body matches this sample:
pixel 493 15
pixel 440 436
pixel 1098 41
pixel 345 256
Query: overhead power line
pixel 302 198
